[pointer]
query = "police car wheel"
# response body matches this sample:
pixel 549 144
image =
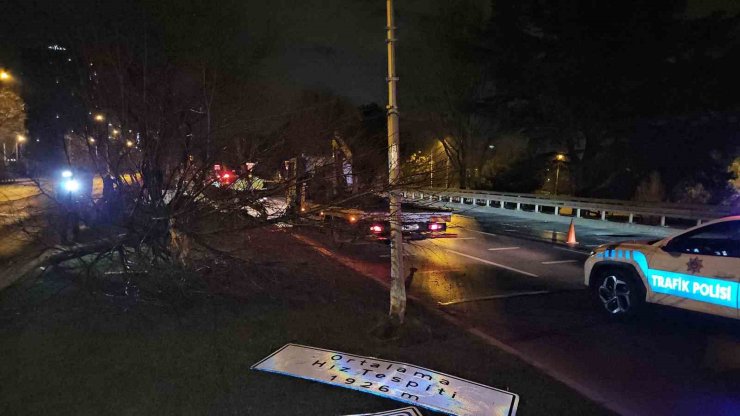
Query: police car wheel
pixel 618 293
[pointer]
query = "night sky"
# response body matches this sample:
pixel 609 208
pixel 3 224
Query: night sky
pixel 337 45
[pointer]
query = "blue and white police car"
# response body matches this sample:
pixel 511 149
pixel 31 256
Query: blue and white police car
pixel 698 270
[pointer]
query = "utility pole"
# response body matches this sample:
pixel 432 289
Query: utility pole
pixel 431 168
pixel 398 288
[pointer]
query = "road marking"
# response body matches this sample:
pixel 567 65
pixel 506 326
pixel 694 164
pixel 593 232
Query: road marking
pixel 440 271
pixel 503 248
pixel 465 238
pixel 492 297
pixel 480 232
pixel 559 261
pixel 570 249
pixel 492 263
pixel 510 230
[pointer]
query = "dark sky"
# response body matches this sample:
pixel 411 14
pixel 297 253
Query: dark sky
pixel 337 45
pixel 331 44
pixel 340 44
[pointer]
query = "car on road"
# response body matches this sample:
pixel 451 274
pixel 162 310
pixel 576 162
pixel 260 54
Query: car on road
pixel 369 218
pixel 698 270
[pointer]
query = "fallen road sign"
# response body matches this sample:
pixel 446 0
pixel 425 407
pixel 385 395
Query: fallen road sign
pixel 406 411
pixel 399 381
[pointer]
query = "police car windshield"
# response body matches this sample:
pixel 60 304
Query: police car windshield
pixel 719 239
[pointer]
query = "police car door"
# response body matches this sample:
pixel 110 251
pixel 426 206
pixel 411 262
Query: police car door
pixel 699 270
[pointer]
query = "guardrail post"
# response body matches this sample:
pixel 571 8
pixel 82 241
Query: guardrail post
pixel 632 218
pixel 518 206
pixel 536 208
pixel 578 213
pixel 698 222
pixel 603 215
pixel 557 210
pixel 662 221
pixel 475 201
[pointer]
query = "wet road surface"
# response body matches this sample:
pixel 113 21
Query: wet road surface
pixel 529 294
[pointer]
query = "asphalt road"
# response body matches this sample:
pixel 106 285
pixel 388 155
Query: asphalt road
pixel 497 277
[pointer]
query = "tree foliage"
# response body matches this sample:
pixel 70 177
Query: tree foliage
pixel 12 116
pixel 585 78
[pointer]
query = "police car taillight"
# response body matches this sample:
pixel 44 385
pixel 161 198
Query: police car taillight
pixel 376 229
pixel 435 226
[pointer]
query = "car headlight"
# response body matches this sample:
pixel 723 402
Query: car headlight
pixel 66 174
pixel 71 185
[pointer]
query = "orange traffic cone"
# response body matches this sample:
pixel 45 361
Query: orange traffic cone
pixel 572 234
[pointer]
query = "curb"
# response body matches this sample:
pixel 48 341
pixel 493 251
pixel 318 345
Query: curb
pixel 488 339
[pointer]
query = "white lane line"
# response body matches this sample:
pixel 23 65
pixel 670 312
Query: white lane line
pixel 481 232
pixel 559 261
pixel 465 238
pixel 492 263
pixel 571 250
pixel 510 230
pixel 503 248
pixel 509 295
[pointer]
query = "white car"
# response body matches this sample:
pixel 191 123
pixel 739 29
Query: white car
pixel 698 270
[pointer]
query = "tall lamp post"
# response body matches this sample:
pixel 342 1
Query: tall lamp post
pixel 398 288
pixel 18 140
pixel 559 160
pixel 5 78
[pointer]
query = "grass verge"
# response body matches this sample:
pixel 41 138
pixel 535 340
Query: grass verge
pixel 78 349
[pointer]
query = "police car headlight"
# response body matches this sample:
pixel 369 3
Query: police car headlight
pixel 71 185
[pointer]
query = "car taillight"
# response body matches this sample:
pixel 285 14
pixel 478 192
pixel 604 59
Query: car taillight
pixel 226 176
pixel 377 229
pixel 435 227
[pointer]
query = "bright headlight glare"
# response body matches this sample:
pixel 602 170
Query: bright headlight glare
pixel 71 185
pixel 66 174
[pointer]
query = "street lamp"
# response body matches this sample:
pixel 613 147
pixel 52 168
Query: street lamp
pixel 559 159
pixel 129 143
pixel 4 75
pixel 19 139
pixel 99 118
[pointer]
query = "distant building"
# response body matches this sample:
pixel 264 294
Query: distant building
pixel 50 89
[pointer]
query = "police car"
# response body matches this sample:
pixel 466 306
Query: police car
pixel 698 270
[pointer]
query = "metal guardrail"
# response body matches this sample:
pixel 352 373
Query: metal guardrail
pixel 603 209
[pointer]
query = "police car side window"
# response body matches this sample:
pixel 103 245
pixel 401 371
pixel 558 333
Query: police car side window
pixel 721 239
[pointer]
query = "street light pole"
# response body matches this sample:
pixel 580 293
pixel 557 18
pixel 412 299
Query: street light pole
pixel 398 288
pixel 559 159
pixel 431 168
pixel 18 140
